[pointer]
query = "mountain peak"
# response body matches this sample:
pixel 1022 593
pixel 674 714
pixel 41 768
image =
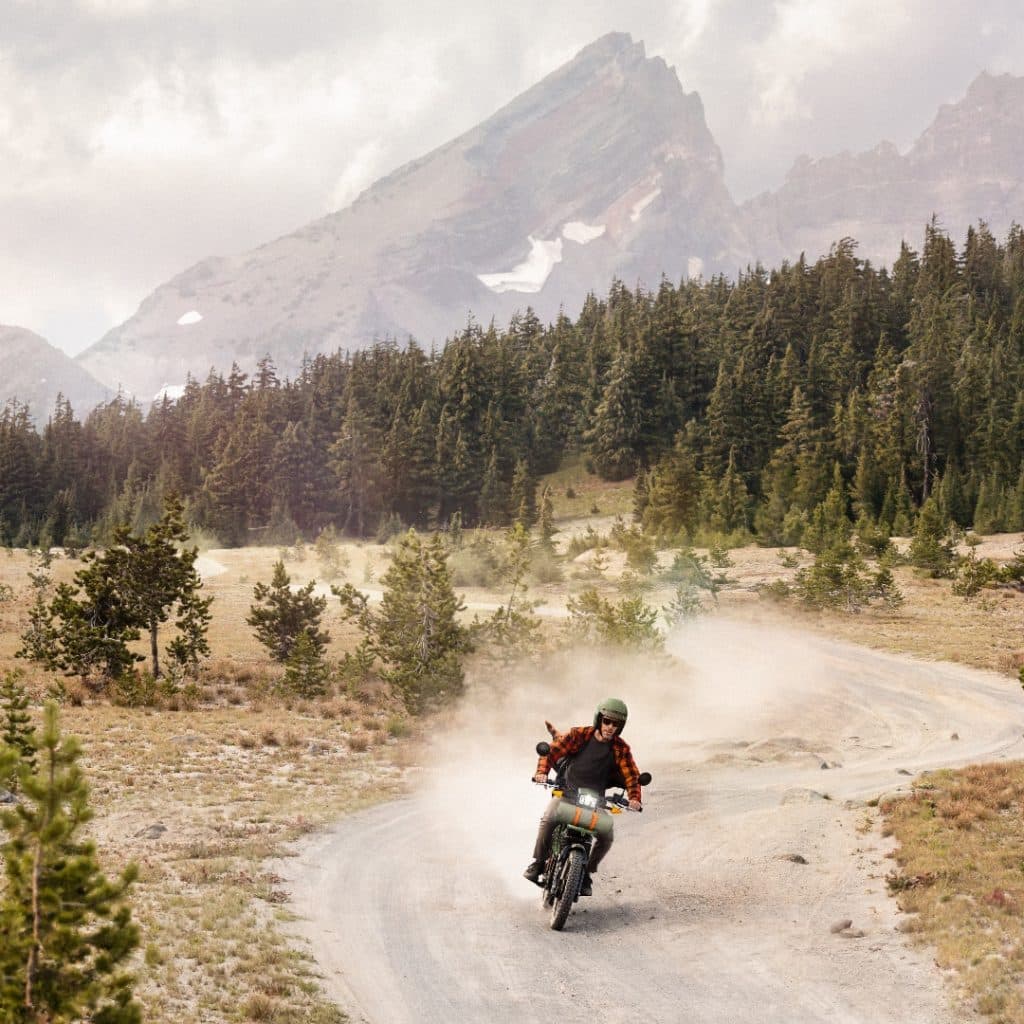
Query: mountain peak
pixel 618 46
pixel 605 168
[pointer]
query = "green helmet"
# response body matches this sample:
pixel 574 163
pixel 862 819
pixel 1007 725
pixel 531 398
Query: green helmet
pixel 612 707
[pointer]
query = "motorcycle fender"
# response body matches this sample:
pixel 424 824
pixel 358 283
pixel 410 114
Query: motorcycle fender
pixel 591 820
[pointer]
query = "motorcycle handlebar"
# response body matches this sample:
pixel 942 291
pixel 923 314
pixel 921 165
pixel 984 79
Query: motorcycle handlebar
pixel 619 799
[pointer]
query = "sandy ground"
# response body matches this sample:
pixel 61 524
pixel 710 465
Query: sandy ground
pixel 416 911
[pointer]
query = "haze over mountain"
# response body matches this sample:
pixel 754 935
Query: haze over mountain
pixel 606 168
pixel 967 166
pixel 36 373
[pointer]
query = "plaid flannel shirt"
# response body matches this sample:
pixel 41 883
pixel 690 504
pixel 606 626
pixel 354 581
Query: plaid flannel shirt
pixel 576 739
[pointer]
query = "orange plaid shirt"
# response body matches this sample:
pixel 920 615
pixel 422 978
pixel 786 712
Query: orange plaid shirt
pixel 576 739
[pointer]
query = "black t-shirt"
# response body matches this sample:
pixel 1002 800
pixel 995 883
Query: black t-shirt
pixel 591 767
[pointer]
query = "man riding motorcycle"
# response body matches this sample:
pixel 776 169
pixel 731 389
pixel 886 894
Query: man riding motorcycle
pixel 597 758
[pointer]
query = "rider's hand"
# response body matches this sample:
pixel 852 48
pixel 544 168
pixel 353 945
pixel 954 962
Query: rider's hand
pixel 541 777
pixel 635 805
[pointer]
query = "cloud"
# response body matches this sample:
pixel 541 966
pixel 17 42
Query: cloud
pixel 140 136
pixel 809 36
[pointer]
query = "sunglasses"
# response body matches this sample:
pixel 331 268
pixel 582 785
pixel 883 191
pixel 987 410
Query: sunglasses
pixel 611 721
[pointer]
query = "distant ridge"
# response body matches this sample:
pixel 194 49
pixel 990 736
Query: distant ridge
pixel 604 169
pixel 35 373
pixel 968 165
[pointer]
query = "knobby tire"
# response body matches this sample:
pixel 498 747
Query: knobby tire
pixel 572 876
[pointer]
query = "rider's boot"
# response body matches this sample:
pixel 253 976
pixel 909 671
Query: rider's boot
pixel 587 886
pixel 533 871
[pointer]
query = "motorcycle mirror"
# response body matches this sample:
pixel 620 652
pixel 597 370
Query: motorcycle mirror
pixel 543 749
pixel 645 778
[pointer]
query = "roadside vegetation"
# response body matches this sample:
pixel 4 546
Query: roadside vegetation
pixel 959 878
pixel 303 713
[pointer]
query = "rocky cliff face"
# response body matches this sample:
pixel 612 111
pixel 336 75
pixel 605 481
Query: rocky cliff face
pixel 604 168
pixel 34 372
pixel 967 166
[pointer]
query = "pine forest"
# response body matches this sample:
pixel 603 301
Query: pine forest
pixel 737 406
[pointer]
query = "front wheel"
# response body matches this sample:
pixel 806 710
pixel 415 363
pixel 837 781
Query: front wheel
pixel 571 877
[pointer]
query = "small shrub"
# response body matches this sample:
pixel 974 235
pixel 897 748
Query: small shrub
pixel 639 548
pixel 719 557
pixel 839 580
pixel 872 538
pixel 476 564
pixel 397 727
pixel 331 556
pixel 972 575
pixel 306 673
pixel 585 541
pixel 134 689
pixel 777 590
pixel 685 605
pixel 545 567
pixel 630 623
pixel 358 743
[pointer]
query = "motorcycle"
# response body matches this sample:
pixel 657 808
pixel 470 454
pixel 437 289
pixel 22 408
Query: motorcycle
pixel 582 816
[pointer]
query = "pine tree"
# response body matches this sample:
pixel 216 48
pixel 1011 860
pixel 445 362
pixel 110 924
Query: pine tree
pixel 989 507
pixel 830 525
pixel 613 436
pixel 673 493
pixel 279 616
pixel 16 722
pixel 306 673
pixel 930 549
pixel 523 495
pixel 137 583
pixel 156 576
pixel 355 459
pixel 730 500
pixel 513 631
pixel 494 501
pixel 65 930
pixel 416 632
pixel 546 523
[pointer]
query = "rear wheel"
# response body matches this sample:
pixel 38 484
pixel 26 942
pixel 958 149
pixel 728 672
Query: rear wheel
pixel 568 888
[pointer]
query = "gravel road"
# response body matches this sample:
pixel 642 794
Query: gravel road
pixel 416 911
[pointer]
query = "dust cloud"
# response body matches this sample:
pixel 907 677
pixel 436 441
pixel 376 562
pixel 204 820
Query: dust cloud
pixel 722 684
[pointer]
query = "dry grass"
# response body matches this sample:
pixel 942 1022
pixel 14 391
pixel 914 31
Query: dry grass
pixel 243 773
pixel 202 801
pixel 960 877
pixel 933 623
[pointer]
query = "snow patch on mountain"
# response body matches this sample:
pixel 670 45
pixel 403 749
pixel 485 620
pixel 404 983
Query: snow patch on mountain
pixel 577 231
pixel 642 203
pixel 191 317
pixel 530 275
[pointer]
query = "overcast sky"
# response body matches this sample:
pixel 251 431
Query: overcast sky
pixel 138 137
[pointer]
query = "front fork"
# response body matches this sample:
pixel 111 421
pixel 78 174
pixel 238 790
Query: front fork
pixel 562 842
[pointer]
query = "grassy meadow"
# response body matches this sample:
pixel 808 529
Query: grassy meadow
pixel 205 791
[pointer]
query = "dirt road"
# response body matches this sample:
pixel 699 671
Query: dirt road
pixel 416 911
